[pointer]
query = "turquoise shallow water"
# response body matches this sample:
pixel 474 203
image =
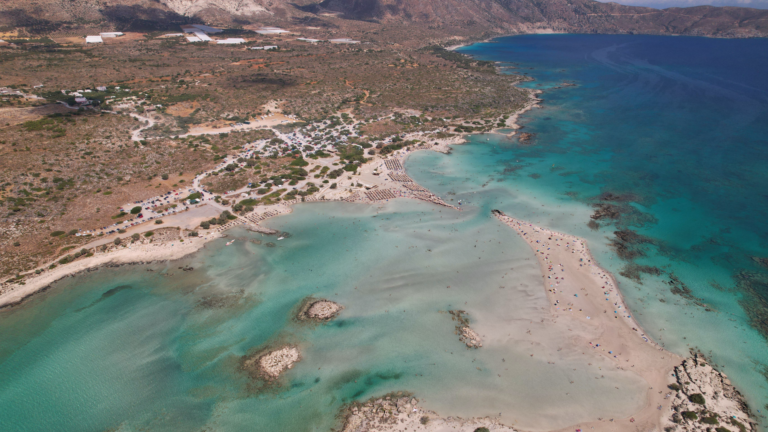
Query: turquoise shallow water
pixel 132 349
pixel 679 128
pixel 154 348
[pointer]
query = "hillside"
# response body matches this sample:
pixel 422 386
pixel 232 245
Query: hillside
pixel 495 16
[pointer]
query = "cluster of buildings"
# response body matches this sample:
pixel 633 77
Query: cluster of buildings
pixel 202 32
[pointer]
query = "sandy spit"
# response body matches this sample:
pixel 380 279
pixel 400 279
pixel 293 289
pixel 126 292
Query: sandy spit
pixel 12 294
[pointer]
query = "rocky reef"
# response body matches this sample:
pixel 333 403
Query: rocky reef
pixel 470 338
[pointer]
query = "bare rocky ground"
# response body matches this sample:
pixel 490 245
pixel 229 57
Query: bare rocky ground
pixel 706 401
pixel 401 412
pixel 271 364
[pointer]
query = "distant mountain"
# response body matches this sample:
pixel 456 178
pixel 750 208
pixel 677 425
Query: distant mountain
pixel 580 16
pixel 500 16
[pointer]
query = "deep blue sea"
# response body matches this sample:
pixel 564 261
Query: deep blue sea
pixel 666 135
pixel 673 132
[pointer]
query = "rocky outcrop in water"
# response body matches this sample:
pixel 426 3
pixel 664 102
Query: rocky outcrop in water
pixel 318 310
pixel 468 336
pixel 401 412
pixel 704 400
pixel 525 138
pixel 270 364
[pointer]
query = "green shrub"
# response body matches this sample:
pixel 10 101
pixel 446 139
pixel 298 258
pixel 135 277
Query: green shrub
pixel 136 210
pixel 674 386
pixel 205 225
pixel 482 429
pixel 697 398
pixel 711 420
pixel 135 236
pixel 72 232
pixel 690 415
pixel 148 234
pixel 333 185
pixel 300 162
pixel 424 420
pixel 738 424
pixel 158 222
pixel 193 234
pixel 164 176
pixel 57 233
pixel 722 429
pixel 117 241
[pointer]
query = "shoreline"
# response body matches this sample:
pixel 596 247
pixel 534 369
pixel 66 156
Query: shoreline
pixel 140 254
pixel 651 362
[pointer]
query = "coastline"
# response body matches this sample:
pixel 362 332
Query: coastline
pixel 138 254
pixel 649 360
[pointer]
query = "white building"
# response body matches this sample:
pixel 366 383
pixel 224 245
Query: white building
pixel 231 41
pixel 266 48
pixel 308 40
pixel 111 34
pixel 93 39
pixel 344 41
pixel 271 30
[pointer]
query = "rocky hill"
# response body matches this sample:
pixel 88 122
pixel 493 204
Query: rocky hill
pixel 582 16
pixel 497 16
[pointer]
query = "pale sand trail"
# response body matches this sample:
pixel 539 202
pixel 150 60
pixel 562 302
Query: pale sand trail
pixel 630 351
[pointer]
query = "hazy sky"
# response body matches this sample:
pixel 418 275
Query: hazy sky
pixel 663 4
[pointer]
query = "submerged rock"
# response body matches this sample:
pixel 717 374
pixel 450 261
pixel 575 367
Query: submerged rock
pixel 525 138
pixel 470 338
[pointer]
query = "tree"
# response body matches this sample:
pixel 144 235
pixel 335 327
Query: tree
pixel 117 241
pixel 205 225
pixel 164 176
pixel 136 210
